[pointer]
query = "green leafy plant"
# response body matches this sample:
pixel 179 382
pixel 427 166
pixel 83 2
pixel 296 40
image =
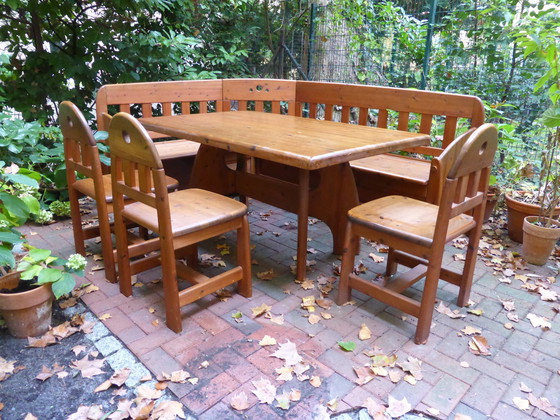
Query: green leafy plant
pixel 540 41
pixel 17 205
pixel 60 208
pixel 42 267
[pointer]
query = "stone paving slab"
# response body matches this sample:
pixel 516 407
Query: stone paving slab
pixel 454 381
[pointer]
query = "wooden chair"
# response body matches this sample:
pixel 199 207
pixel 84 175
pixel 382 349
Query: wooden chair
pixel 82 158
pixel 417 231
pixel 181 219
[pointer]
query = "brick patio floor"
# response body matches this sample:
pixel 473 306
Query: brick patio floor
pixel 454 380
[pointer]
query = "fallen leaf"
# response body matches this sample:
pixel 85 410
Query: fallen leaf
pixel 365 332
pixel 509 305
pixel 548 295
pixel 512 317
pixel 105 317
pixel 167 410
pixel 521 403
pixel 383 360
pixel 240 401
pixel 433 411
pixel 477 312
pixel 364 375
pixel 333 404
pixel 397 408
pixel 441 308
pixel 464 364
pixel 204 364
pixel 412 366
pixel 324 303
pixel 479 346
pixel 313 319
pixel 508 326
pixel 308 285
pixel 259 310
pixel 237 316
pixel 379 371
pixel 266 275
pixel 278 320
pixel 78 349
pixel 284 373
pixel 41 342
pixel 95 412
pixel 30 416
pixel 6 368
pixel 46 373
pixel 315 381
pixel 287 351
pixel 347 345
pixel 295 395
pixel 88 368
pixel 267 341
pixel 468 330
pixel 264 390
pixel 374 409
pixel 145 391
pixel 326 315
pixel 543 404
pixel 524 388
pixel 410 379
pixel 179 376
pixel 375 258
pixel 283 401
pixel 539 321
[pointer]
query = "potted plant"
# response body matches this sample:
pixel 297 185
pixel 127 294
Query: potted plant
pixel 27 294
pixel 541 231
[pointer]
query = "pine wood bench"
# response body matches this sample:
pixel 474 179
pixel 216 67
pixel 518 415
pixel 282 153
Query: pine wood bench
pixel 402 109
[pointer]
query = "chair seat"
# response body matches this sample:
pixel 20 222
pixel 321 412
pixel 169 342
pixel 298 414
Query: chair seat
pixel 191 210
pixel 86 186
pixel 407 218
pixel 396 166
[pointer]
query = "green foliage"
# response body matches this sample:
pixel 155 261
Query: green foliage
pixel 41 266
pixel 60 209
pixel 34 146
pixel 65 50
pixel 17 205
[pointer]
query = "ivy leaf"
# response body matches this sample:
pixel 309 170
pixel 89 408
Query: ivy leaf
pixel 347 345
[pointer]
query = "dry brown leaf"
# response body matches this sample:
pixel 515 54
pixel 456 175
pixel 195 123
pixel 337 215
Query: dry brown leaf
pixel 180 376
pixel 375 258
pixel 78 349
pixel 260 310
pixel 383 360
pixel 539 321
pixel 264 390
pixel 285 373
pixel 278 320
pixel 240 401
pixel 524 388
pixel 288 352
pixel 94 412
pixel 6 368
pixel 144 391
pixel 333 404
pixel 267 341
pixel 441 308
pixel 364 333
pixel 167 410
pixel 324 303
pixel 508 326
pixel 326 315
pixel 364 375
pixel 314 319
pixel 374 409
pixel 543 404
pixel 41 342
pixel 88 368
pixel 395 375
pixel 307 284
pixel 46 373
pixel 295 395
pixel 479 345
pixel 105 317
pixel 548 295
pixel 412 366
pixel 521 403
pixel 468 330
pixel 266 275
pixel 512 317
pixel 464 364
pixel 509 305
pixel 398 408
pixel 315 381
pixel 379 371
pixel 30 416
pixel 142 410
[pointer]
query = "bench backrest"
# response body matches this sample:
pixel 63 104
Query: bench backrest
pixel 372 105
pixel 412 110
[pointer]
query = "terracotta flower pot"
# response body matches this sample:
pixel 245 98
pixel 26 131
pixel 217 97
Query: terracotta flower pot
pixel 539 241
pixel 517 211
pixel 27 314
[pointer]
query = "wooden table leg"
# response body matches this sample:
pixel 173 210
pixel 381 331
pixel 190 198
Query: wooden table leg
pixel 303 212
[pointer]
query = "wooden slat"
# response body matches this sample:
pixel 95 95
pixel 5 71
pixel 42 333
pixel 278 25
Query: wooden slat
pixel 218 282
pixel 147 109
pixel 167 108
pixel 401 302
pixel 408 278
pixel 403 121
pixel 382 118
pixel 345 114
pixel 328 112
pixel 363 116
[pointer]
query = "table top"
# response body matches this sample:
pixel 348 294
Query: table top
pixel 300 142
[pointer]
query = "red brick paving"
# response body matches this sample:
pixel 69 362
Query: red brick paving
pixel 485 388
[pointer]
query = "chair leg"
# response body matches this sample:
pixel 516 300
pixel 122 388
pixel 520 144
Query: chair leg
pixel 351 244
pixel 245 285
pixel 170 287
pixel 428 300
pixel 468 270
pixel 392 264
pixel 79 241
pixel 123 258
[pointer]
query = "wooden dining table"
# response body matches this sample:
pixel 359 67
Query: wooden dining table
pixel 299 164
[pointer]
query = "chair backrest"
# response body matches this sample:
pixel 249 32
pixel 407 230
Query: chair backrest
pixel 413 110
pixel 136 169
pixel 466 168
pixel 80 149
